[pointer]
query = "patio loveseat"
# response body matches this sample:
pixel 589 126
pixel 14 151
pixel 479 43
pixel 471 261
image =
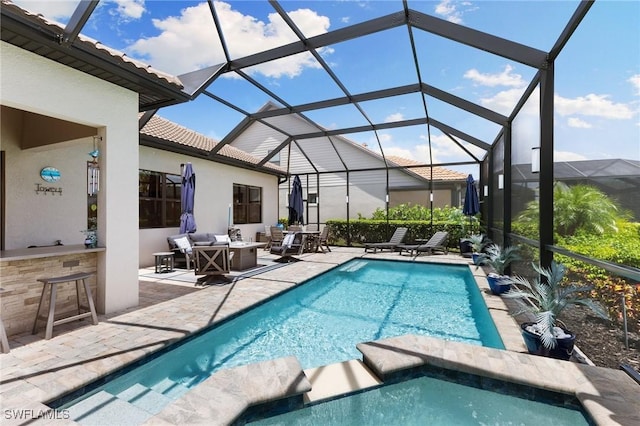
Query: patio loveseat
pixel 182 244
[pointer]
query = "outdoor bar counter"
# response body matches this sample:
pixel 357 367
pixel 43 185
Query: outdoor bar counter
pixel 20 270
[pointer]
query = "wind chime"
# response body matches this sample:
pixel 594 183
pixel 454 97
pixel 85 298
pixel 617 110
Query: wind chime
pixel 93 169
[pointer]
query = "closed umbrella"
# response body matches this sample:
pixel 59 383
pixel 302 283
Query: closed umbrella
pixel 187 220
pixel 471 204
pixel 296 206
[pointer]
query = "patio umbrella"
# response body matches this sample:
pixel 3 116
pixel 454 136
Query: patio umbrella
pixel 187 221
pixel 296 207
pixel 471 204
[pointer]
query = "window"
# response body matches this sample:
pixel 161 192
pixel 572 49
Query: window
pixel 159 195
pixel 247 204
pixel 312 198
pixel 275 159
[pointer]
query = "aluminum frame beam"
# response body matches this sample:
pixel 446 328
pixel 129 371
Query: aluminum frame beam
pixel 80 16
pixel 480 40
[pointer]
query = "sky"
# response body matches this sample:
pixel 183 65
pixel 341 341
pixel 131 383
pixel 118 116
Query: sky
pixel 597 75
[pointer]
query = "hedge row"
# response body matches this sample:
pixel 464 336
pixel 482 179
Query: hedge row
pixel 373 231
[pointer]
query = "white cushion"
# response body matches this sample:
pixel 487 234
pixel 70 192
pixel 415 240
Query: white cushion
pixel 288 240
pixel 222 239
pixel 183 244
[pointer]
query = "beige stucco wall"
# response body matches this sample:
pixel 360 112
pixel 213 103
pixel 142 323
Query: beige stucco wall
pixel 214 193
pixel 32 83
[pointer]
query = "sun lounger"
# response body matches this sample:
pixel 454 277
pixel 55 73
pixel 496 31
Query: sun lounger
pixel 393 242
pixel 438 242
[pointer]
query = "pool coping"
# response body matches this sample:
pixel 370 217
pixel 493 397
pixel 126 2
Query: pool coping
pixel 40 371
pixel 608 396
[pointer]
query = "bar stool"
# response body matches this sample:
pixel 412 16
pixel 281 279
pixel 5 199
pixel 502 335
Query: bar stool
pixel 52 284
pixel 4 342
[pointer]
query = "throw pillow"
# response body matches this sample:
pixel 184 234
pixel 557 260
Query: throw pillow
pixel 222 239
pixel 183 244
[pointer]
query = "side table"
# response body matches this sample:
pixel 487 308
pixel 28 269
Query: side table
pixel 164 261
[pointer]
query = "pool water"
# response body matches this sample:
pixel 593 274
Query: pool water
pixel 430 401
pixel 319 322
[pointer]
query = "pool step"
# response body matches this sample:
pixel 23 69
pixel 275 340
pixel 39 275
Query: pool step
pixel 353 266
pixel 136 404
pixel 338 379
pixel 102 408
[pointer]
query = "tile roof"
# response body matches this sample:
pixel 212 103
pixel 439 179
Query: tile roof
pixel 58 28
pixel 168 131
pixel 439 173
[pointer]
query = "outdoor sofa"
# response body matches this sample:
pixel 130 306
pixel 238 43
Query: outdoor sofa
pixel 182 244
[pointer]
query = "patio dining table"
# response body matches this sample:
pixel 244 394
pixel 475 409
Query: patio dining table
pixel 311 240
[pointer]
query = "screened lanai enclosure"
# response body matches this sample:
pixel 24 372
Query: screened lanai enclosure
pixel 518 99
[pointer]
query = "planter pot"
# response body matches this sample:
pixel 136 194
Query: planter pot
pixel 563 349
pixel 498 283
pixel 465 248
pixel 476 258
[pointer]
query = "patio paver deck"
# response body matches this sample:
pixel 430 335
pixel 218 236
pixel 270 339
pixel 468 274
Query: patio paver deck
pixel 37 371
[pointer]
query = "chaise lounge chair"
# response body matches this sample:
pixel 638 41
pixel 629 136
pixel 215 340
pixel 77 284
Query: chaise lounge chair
pixel 438 242
pixel 392 244
pixel 293 244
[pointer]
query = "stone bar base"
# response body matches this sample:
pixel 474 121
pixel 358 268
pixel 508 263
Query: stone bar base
pixel 21 290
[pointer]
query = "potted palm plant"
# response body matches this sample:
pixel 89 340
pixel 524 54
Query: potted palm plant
pixel 499 259
pixel 478 243
pixel 546 298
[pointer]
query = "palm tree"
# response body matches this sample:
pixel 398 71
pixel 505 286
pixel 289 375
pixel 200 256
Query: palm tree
pixel 577 208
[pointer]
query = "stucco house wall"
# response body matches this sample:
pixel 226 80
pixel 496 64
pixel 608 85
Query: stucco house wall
pixel 32 83
pixel 214 194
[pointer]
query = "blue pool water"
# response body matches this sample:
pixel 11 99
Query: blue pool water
pixel 320 323
pixel 433 402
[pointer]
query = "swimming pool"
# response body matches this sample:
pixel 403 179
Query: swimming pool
pixel 433 401
pixel 319 322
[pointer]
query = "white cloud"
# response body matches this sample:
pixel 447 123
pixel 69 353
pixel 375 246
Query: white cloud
pixel 442 149
pixel 504 101
pixel 189 41
pixel 635 82
pixel 397 152
pixel 54 10
pixel 567 156
pixel 577 123
pixel 592 105
pixel 504 78
pixel 130 9
pixel 449 11
pixel 396 116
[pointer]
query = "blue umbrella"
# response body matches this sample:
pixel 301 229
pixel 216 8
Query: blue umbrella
pixel 471 204
pixel 296 206
pixel 187 220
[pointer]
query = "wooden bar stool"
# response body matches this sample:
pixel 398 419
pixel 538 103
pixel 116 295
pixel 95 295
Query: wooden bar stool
pixel 4 342
pixel 90 310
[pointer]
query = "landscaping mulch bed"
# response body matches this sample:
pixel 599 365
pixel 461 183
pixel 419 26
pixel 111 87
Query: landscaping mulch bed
pixel 601 341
